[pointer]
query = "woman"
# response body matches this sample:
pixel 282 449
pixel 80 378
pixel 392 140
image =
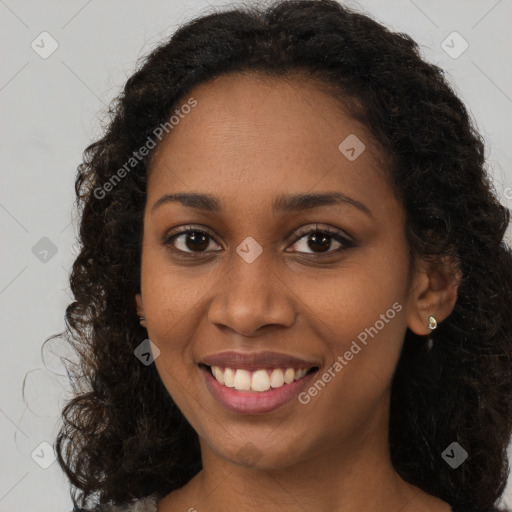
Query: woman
pixel 294 208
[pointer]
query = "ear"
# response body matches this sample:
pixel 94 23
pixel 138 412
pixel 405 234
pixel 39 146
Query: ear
pixel 433 293
pixel 140 306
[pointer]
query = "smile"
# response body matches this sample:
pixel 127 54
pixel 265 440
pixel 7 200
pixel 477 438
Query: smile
pixel 257 380
pixel 257 391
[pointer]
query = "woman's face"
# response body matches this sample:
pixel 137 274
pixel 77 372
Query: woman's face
pixel 259 274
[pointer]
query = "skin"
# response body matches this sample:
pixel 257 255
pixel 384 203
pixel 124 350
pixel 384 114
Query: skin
pixel 247 141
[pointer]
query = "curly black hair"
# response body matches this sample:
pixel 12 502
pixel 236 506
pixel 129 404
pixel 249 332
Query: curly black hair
pixel 122 436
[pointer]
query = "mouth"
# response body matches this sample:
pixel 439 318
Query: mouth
pixel 255 391
pixel 257 380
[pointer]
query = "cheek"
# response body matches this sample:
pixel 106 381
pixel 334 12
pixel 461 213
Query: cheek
pixel 348 300
pixel 359 312
pixel 171 316
pixel 171 305
pixel 171 301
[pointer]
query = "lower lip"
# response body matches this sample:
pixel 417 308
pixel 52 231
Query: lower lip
pixel 255 402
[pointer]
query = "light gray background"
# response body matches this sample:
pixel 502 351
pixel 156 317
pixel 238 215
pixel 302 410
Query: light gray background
pixel 50 111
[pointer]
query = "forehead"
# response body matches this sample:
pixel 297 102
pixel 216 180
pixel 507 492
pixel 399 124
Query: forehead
pixel 264 135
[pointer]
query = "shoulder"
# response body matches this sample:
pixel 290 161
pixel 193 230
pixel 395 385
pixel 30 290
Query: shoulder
pixel 147 504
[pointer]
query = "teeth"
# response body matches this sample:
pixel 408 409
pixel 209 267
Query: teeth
pixel 289 374
pixel 217 373
pixel 257 380
pixel 260 380
pixel 277 378
pixel 229 377
pixel 300 373
pixel 242 380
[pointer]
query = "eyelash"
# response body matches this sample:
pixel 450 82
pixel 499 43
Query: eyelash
pixel 335 234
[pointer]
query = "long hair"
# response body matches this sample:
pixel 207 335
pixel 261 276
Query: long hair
pixel 122 435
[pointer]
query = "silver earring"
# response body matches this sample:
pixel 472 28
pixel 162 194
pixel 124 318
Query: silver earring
pixel 432 324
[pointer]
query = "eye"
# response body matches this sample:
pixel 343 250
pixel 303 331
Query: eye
pixel 322 239
pixel 190 240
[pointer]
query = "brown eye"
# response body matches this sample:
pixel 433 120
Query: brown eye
pixel 318 241
pixel 190 241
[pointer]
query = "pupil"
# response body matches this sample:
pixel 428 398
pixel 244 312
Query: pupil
pixel 199 241
pixel 321 239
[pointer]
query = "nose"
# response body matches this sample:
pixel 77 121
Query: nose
pixel 251 297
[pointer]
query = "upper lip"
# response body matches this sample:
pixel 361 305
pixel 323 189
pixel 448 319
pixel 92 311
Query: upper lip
pixel 250 360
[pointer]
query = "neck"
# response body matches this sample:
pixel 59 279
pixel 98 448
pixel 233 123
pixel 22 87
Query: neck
pixel 349 476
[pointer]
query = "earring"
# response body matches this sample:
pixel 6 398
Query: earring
pixel 432 324
pixel 141 319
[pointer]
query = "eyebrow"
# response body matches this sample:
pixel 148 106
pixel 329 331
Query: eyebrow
pixel 282 203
